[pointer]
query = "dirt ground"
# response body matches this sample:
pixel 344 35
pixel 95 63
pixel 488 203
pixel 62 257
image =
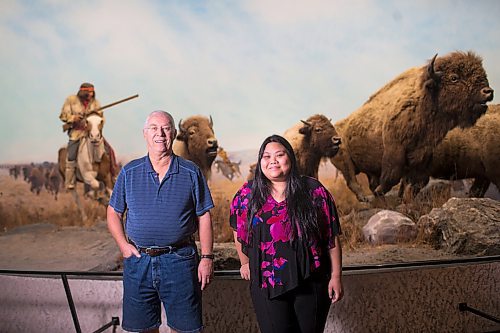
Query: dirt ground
pixel 40 233
pixel 53 248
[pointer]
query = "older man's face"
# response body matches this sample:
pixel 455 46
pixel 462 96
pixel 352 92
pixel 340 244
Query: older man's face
pixel 159 133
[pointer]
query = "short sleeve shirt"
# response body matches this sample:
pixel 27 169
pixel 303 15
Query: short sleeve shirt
pixel 161 213
pixel 277 264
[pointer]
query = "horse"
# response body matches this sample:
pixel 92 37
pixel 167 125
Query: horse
pixel 95 162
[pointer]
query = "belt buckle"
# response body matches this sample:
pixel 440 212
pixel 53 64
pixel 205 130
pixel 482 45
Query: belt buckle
pixel 150 251
pixel 154 251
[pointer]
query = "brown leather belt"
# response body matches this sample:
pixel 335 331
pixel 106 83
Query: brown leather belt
pixel 154 251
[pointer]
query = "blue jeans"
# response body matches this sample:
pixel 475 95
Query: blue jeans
pixel 171 279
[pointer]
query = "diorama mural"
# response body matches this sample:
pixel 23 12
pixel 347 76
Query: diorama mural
pixel 394 111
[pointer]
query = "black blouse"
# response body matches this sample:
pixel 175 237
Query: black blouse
pixel 276 264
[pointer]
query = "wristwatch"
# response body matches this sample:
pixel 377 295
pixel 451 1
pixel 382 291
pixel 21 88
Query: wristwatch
pixel 207 256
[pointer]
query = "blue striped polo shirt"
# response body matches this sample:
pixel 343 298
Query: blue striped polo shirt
pixel 161 214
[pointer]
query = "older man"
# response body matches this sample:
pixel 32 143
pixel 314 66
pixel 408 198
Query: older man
pixel 166 199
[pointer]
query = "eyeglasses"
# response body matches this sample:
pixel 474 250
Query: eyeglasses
pixel 155 129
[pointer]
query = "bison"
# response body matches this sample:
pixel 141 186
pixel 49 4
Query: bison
pixel 471 153
pixel 15 171
pixel 393 135
pixel 251 171
pixel 53 180
pixel 36 179
pixel 196 142
pixel 312 140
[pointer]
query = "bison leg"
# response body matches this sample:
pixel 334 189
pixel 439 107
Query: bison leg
pixel 402 187
pixel 345 165
pixel 392 169
pixel 479 187
pixel 373 182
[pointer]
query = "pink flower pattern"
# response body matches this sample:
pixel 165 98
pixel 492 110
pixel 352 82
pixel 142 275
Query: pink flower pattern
pixel 275 230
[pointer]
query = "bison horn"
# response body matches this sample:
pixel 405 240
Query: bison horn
pixel 181 129
pixel 306 123
pixel 436 76
pixel 211 121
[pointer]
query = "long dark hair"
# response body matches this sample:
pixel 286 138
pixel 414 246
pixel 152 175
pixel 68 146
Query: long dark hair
pixel 301 212
pixel 82 93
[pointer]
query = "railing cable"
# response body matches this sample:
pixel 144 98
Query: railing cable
pixel 464 307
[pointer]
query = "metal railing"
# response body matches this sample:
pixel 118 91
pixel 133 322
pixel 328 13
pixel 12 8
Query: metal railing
pixel 115 321
pixel 464 307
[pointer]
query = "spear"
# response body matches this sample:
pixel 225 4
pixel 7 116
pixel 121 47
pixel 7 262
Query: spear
pixel 68 126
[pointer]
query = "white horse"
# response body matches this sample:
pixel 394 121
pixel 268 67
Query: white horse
pixel 94 163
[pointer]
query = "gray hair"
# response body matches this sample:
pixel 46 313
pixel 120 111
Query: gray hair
pixel 157 112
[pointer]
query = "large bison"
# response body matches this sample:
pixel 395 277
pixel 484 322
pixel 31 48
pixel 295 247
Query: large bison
pixel 312 140
pixel 392 135
pixel 196 142
pixel 471 153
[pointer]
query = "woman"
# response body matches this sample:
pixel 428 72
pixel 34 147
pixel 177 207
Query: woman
pixel 286 233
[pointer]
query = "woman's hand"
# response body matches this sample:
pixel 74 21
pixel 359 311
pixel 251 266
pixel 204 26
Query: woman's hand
pixel 245 271
pixel 335 289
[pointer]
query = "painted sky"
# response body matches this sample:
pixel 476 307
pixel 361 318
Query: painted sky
pixel 257 66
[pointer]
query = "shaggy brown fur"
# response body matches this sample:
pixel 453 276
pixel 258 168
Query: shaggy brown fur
pixel 196 142
pixel 312 140
pixel 471 153
pixel 36 179
pixel 395 132
pixel 53 180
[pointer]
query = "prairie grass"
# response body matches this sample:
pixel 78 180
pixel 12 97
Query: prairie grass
pixel 19 207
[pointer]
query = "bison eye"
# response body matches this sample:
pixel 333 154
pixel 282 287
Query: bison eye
pixel 454 78
pixel 318 129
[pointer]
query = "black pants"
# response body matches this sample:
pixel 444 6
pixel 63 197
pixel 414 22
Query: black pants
pixel 301 310
pixel 73 149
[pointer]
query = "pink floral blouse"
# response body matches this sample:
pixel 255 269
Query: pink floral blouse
pixel 276 264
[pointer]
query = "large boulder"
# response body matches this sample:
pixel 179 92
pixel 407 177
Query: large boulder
pixel 389 227
pixel 464 226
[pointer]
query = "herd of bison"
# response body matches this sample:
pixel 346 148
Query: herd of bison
pixel 430 121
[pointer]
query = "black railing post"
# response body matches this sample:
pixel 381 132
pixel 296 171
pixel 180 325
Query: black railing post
pixel 464 307
pixel 70 303
pixel 115 321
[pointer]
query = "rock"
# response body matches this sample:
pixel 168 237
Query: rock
pixel 435 187
pixel 389 227
pixel 464 226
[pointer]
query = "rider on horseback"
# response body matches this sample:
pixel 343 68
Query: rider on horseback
pixel 73 113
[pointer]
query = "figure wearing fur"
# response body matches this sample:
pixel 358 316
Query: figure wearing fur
pixel 73 113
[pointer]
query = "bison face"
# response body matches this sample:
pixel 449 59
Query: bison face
pixel 459 85
pixel 322 137
pixel 198 135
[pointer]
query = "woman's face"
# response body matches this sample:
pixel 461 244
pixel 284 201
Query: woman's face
pixel 275 163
